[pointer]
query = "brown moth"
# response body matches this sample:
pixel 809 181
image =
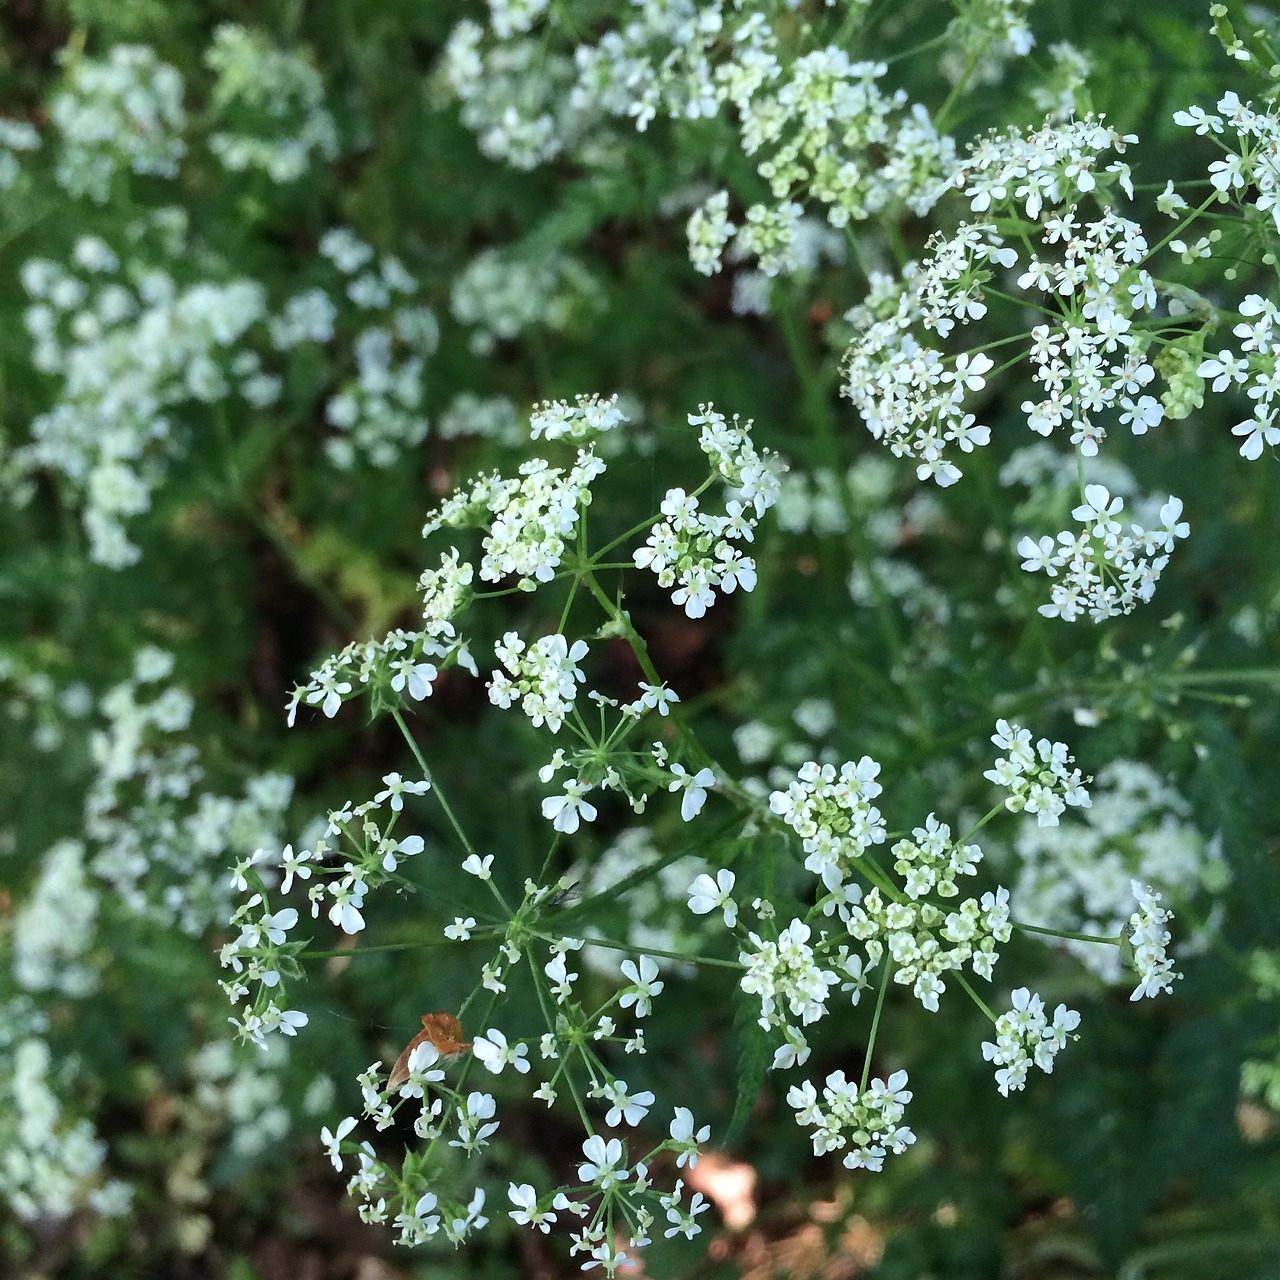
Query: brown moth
pixel 443 1030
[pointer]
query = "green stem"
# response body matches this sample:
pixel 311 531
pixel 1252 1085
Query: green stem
pixel 973 995
pixel 444 804
pixel 682 956
pixel 982 822
pixel 368 951
pixel 1068 937
pixel 548 1017
pixel 875 1025
pixel 940 116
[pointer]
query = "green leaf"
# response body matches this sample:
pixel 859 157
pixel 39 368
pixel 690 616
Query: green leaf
pixel 754 1056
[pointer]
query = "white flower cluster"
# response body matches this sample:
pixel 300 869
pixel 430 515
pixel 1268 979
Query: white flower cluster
pixel 529 517
pixel 515 97
pixel 127 352
pixel 930 861
pixel 160 841
pixel 534 519
pixel 543 677
pixel 825 127
pixel 864 1123
pixel 1044 167
pixel 833 815
pixel 1094 363
pixel 590 415
pixel 499 295
pixel 924 941
pixel 608 1183
pixel 1078 876
pixel 261 952
pixel 993 30
pixel 1039 779
pixel 630 774
pixel 692 550
pixel 1088 271
pixel 1025 1036
pixel 269 105
pixel 137 353
pixel 422 1214
pixel 248 1098
pixel 1256 367
pixel 404 662
pixel 510 17
pixel 816 123
pixel 908 395
pixel 55 926
pixel 445 592
pixel 379 411
pixel 816 501
pixel 121 112
pixel 16 137
pixel 1149 939
pixel 752 476
pixel 155 844
pixel 709 230
pixel 52 1157
pixel 787 977
pixel 491 417
pixel 1250 164
pixel 1104 571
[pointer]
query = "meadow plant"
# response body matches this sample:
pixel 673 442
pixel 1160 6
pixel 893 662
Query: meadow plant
pixel 710 771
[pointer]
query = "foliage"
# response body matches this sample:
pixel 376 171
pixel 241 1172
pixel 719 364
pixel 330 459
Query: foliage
pixel 836 692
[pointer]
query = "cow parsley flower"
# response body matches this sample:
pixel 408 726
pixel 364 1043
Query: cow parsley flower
pixel 693 788
pixel 1025 1037
pixel 1040 780
pixel 123 111
pixel 864 1123
pixel 603 1165
pixel 494 1053
pixel 707 895
pixel 544 677
pixel 645 984
pixel 1149 939
pixel 269 106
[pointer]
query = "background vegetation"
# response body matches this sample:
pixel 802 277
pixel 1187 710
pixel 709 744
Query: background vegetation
pixel 890 618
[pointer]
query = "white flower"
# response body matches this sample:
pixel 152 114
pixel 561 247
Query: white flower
pixel 422 1070
pixel 526 1212
pixel 1024 1037
pixel 493 1051
pixel 626 1106
pixel 1149 939
pixel 295 864
pixel 602 1161
pixel 397 788
pixel 460 929
pixel 348 898
pixel 476 1124
pixel 694 787
pixel 645 986
pixel 707 895
pixel 479 867
pixel 332 1141
pixel 566 811
pixel 274 927
pixel 289 1021
pixel 686 1140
